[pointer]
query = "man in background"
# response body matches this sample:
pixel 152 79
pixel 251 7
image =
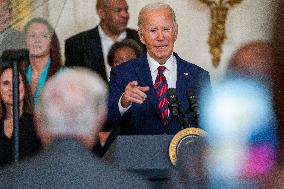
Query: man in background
pixel 90 48
pixel 70 113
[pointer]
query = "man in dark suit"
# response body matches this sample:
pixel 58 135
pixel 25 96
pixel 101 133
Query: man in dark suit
pixel 90 48
pixel 138 89
pixel 69 115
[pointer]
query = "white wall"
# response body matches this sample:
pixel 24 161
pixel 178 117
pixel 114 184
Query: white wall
pixel 250 20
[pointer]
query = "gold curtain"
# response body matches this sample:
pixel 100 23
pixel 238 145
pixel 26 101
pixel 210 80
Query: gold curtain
pixel 21 11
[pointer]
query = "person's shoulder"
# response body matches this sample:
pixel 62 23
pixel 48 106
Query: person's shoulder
pixel 132 33
pixel 82 35
pixel 188 65
pixel 27 116
pixel 121 178
pixel 27 120
pixel 130 30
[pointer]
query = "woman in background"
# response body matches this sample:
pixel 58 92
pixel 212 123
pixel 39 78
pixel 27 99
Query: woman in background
pixel 123 51
pixel 45 57
pixel 29 142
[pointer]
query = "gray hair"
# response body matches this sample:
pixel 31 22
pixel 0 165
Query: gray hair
pixel 71 101
pixel 154 7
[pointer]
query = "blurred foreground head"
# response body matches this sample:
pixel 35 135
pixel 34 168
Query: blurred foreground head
pixel 72 105
pixel 252 60
pixel 242 137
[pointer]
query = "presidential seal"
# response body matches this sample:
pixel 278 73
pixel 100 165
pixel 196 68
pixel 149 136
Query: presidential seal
pixel 183 137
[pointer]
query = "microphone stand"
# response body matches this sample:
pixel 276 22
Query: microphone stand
pixel 174 107
pixel 16 110
pixel 195 119
pixel 181 119
pixel 15 56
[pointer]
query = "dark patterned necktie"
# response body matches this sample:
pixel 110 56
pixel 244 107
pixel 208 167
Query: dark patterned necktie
pixel 161 87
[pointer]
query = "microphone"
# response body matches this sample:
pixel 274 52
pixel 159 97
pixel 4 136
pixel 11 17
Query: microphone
pixel 193 103
pixel 174 104
pixel 15 55
pixel 174 107
pixel 193 107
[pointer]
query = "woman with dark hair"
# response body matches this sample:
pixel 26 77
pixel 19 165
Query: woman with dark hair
pixel 123 51
pixel 45 57
pixel 28 140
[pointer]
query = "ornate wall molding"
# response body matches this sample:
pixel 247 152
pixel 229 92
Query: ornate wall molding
pixel 219 11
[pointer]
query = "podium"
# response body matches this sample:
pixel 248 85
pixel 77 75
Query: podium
pixel 144 154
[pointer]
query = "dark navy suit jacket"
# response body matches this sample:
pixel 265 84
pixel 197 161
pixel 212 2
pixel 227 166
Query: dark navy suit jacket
pixel 145 119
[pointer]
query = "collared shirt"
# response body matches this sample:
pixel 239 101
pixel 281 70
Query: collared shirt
pixel 170 73
pixel 106 43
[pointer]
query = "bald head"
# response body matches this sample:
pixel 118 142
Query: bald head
pixel 71 104
pixel 252 60
pixel 102 3
pixel 114 16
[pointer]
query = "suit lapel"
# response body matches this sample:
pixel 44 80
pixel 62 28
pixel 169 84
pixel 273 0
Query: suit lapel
pixel 145 79
pixel 96 53
pixel 182 77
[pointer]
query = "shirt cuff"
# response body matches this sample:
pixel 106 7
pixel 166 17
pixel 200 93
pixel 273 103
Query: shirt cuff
pixel 121 109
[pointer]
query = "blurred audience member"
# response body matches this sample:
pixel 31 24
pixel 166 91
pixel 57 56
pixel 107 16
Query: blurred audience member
pixel 276 179
pixel 9 37
pixel 240 120
pixel 28 140
pixel 90 48
pixel 71 111
pixel 278 73
pixel 123 51
pixel 45 56
pixel 254 61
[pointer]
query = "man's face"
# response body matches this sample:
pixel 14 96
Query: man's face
pixel 158 33
pixel 115 16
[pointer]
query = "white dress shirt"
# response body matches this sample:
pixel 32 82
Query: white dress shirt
pixel 170 72
pixel 106 43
